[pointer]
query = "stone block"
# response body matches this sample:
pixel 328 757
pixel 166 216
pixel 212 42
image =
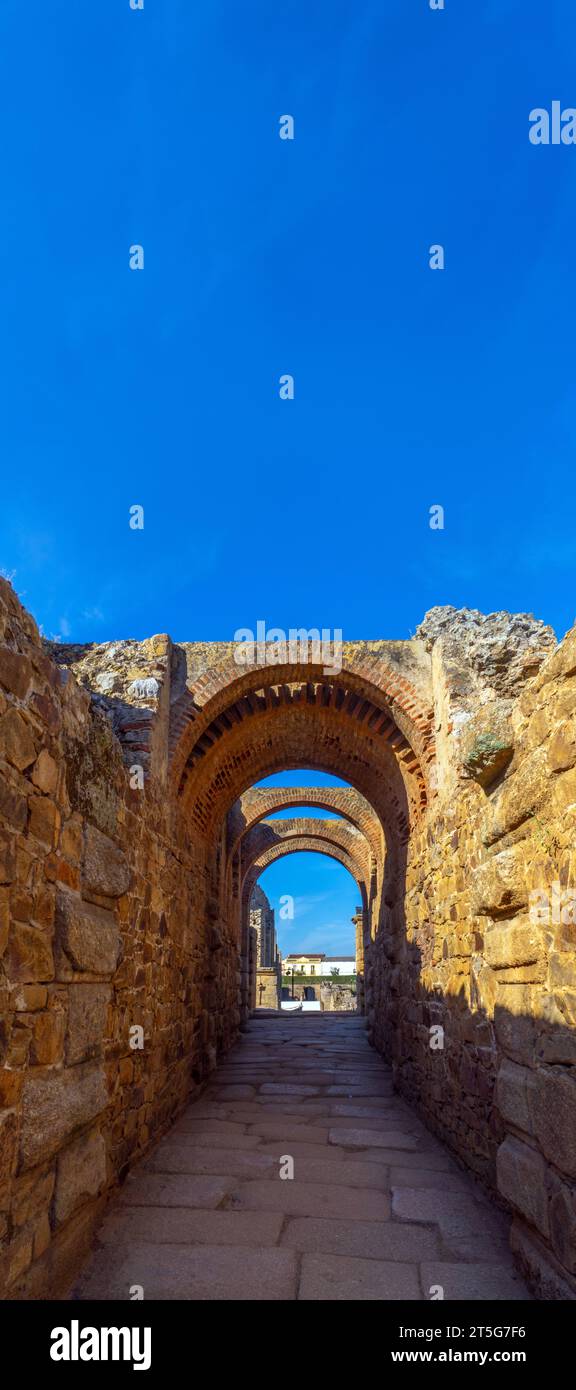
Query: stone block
pixel 289 1129
pixel 515 1022
pixel 561 663
pixel 520 795
pixel 239 1092
pixel 203 1273
pixel 29 955
pixel 46 710
pixel 15 673
pixel 32 1195
pixel 557 1047
pixel 521 1175
pixel 499 883
pixel 518 943
pixel 7 858
pixel 45 773
pixel 177 1156
pixel 105 870
pixel 550 1281
pixel 80 1174
pixel 181 1225
pixel 87 935
pixel 334 1278
pixel 427 1204
pixel 487 755
pixel 514 1086
pixel 431 1178
pixel 54 1105
pixel 176 1190
pixel 47 1044
pixel 13 809
pixel 466 1283
pixel 44 824
pixel 562 793
pixel 383 1240
pixel 562 1212
pixel 87 1014
pixel 4 919
pixel 8 1137
pixel 312 1199
pixel 563 970
pixel 562 748
pixel 16 742
pixel 373 1138
pixel 29 998
pixel 553 1105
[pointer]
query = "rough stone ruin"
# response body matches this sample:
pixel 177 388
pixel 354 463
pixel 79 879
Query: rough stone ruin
pixel 130 843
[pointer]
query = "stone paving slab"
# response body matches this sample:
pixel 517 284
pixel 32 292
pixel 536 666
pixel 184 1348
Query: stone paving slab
pixel 209 1126
pixel 175 1190
pixel 381 1240
pixel 474 1281
pixel 207 1273
pixel 280 1146
pixel 210 1140
pixel 423 1204
pixel 334 1277
pixel 180 1226
pixel 428 1178
pixel 377 1209
pixel 373 1138
pixel 312 1199
pixel 179 1158
pixel 287 1130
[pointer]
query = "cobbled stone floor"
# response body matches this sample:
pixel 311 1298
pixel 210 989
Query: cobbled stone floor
pixel 377 1208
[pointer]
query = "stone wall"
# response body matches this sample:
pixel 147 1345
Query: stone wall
pixel 126 964
pixel 261 918
pixel 335 998
pixel 268 987
pixel 116 992
pixel 465 954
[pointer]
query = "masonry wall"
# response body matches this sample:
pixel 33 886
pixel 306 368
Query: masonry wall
pixel 465 954
pixel 116 917
pixel 104 931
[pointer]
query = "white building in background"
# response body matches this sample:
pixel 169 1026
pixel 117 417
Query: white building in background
pixel 320 966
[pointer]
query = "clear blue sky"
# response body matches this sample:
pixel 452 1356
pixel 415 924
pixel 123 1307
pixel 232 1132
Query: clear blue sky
pixel 324 895
pixel 265 257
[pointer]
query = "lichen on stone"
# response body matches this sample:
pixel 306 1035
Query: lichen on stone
pixel 487 758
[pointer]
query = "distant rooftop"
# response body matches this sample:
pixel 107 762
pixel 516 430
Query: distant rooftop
pixel 308 955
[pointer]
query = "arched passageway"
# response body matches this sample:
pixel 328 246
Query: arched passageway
pixel 272 841
pixel 374 736
pixel 131 823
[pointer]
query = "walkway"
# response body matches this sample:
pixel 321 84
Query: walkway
pixel 376 1208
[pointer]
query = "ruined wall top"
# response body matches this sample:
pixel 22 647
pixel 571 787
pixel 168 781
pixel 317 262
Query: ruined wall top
pixel 459 663
pixel 496 651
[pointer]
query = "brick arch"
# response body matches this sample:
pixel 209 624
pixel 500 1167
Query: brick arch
pixel 260 802
pixel 269 834
pixel 298 845
pixel 303 732
pixel 384 698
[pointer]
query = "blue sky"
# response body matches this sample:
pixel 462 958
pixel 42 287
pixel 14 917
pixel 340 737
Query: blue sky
pixel 324 895
pixel 265 257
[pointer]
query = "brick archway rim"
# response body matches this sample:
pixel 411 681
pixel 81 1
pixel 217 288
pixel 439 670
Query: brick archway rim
pixel 320 803
pixel 213 694
pixel 281 852
pixel 320 838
